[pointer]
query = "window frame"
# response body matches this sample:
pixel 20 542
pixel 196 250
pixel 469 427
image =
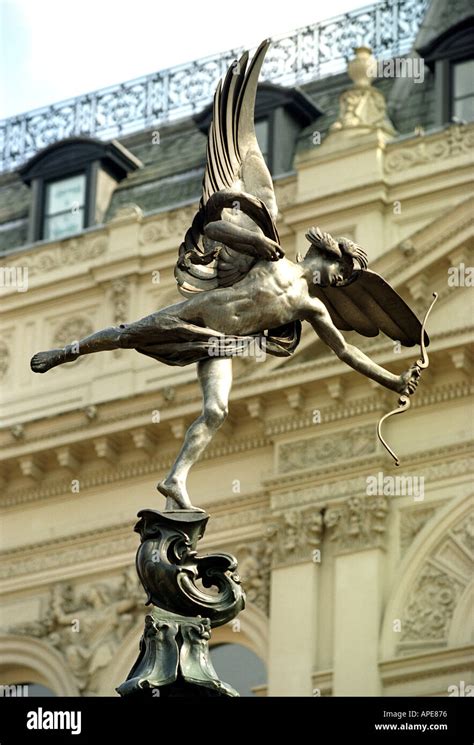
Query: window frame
pixel 70 157
pixel 452 63
pixel 452 46
pixel 269 118
pixel 86 209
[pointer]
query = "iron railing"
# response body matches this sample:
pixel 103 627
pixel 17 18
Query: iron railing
pixel 312 52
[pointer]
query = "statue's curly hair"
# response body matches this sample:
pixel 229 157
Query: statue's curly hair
pixel 340 248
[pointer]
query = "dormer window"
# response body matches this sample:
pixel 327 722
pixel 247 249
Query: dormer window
pixel 64 207
pixel 462 103
pixel 71 185
pixel 280 115
pixel 450 57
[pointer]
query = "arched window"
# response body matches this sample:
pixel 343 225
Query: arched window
pixel 238 666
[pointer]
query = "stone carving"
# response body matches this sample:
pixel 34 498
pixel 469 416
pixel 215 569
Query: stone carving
pixel 357 523
pixel 72 330
pixel 86 627
pixel 411 522
pixel 4 359
pixel 120 296
pixel 436 590
pixel 66 253
pixel 317 451
pixel 255 563
pixel 431 605
pixel 173 224
pixel 294 536
pixel 362 106
pixel 67 555
pixel 465 533
pixel 290 538
pixel 456 140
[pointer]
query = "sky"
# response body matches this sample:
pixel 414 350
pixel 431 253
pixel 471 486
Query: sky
pixel 51 50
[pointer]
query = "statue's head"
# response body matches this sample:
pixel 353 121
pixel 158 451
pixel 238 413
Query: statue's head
pixel 334 262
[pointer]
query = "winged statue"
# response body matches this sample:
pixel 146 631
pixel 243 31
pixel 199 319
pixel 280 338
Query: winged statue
pixel 241 289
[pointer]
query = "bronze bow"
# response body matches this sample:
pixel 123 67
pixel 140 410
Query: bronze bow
pixel 404 401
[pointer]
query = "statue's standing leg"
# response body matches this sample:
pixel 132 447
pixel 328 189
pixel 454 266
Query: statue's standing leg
pixel 215 378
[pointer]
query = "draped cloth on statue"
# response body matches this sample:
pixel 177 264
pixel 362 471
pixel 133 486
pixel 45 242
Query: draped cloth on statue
pixel 169 339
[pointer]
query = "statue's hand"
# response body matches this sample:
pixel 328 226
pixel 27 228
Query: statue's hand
pixel 268 249
pixel 409 380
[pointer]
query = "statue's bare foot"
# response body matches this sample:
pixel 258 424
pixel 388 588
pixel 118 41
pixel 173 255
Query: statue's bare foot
pixel 44 361
pixel 176 495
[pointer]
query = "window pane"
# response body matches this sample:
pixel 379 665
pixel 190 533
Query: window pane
pixel 464 109
pixel 59 226
pixel 237 665
pixel 37 689
pixel 261 131
pixel 463 78
pixel 64 195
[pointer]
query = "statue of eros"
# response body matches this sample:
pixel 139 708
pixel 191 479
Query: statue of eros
pixel 242 290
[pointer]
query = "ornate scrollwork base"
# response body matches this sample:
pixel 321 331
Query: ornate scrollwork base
pixel 174 654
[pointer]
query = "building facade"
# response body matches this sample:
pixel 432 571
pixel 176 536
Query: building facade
pixel 358 574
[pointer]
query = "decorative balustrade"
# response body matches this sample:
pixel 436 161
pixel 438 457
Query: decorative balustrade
pixel 309 53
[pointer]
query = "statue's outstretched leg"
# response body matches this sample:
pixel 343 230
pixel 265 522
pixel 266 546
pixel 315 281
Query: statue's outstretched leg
pixel 215 378
pixel 125 336
pixel 101 341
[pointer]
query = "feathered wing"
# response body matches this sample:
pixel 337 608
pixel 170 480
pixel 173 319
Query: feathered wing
pixel 369 305
pixel 235 166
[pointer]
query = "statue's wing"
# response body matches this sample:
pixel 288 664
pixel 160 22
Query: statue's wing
pixel 369 305
pixel 235 166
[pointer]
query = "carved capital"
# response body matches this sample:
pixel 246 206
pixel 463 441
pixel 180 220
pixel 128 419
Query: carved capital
pixel 357 523
pixel 294 536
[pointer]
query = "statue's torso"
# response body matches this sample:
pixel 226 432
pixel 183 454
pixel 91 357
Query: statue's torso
pixel 270 295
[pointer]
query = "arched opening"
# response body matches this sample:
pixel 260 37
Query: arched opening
pixel 25 661
pixel 23 688
pixel 239 666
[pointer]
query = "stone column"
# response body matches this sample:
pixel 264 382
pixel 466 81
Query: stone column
pixel 357 526
pixel 293 602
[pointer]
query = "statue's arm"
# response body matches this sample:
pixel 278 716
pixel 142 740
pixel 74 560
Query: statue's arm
pixel 243 240
pixel 321 322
